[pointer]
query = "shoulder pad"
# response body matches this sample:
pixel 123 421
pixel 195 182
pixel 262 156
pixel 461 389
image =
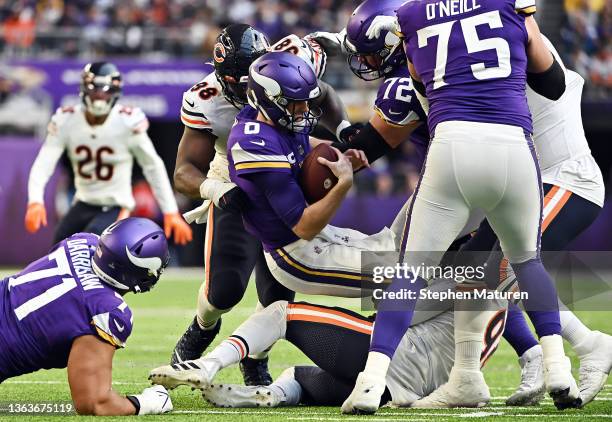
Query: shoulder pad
pixel 256 147
pixel 198 102
pixel 396 102
pixel 133 117
pixel 61 116
pixel 115 325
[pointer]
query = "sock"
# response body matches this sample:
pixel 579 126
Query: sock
pixel 207 315
pixel 467 355
pixel 394 316
pixel 541 305
pixel 264 354
pixel 575 332
pixel 552 348
pixel 377 364
pixel 517 332
pixel 229 352
pixel 286 386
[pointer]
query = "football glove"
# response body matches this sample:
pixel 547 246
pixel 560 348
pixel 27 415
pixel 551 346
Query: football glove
pixel 224 195
pixel 331 42
pixel 346 134
pixel 383 23
pixel 152 401
pixel 35 217
pixel 174 224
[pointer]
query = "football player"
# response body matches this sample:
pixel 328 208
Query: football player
pixel 421 364
pixel 102 138
pixel 66 310
pixel 208 112
pixel 573 184
pixel 480 142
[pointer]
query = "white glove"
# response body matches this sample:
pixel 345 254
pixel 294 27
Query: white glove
pixel 215 189
pixel 383 23
pixel 153 401
pixel 331 42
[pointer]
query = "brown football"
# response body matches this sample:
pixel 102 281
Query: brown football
pixel 315 178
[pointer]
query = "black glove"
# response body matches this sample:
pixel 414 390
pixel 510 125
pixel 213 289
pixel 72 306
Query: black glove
pixel 234 200
pixel 346 134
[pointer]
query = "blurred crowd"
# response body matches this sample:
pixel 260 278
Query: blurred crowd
pixel 587 37
pixel 166 27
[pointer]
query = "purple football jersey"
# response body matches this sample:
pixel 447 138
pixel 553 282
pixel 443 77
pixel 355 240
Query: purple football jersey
pixel 397 104
pixel 53 301
pixel 471 56
pixel 256 147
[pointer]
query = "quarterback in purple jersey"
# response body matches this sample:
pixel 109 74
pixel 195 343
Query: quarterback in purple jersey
pixel 470 64
pixel 66 310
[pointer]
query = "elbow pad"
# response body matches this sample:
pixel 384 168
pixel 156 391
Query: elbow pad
pixel 550 83
pixel 369 141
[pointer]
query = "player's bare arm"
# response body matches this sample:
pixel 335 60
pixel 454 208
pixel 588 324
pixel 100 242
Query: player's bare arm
pixel 316 216
pixel 544 73
pixel 333 117
pixel 90 376
pixel 195 152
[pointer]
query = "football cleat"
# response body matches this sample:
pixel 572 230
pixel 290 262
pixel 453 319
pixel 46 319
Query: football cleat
pixel 255 371
pixel 194 342
pixel 531 390
pixel 365 397
pixel 595 367
pixel 197 373
pixel 560 383
pixel 463 389
pixel 234 395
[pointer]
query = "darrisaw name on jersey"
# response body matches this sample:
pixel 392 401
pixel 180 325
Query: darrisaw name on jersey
pixel 426 294
pixel 80 256
pixel 450 8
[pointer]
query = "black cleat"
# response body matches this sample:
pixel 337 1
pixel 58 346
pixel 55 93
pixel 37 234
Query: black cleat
pixel 255 371
pixel 193 342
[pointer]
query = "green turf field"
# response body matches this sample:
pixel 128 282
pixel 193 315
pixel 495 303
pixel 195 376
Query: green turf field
pixel 162 315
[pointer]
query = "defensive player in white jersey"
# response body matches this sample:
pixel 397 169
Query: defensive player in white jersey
pixel 208 112
pixel 336 340
pixel 102 138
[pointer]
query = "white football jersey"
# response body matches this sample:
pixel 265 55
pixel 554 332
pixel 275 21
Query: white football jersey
pixel 563 151
pixel 205 108
pixel 102 157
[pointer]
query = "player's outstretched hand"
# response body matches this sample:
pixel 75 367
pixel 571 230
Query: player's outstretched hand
pixel 175 225
pixel 382 23
pixel 331 42
pixel 346 135
pixel 35 217
pixel 234 200
pixel 153 401
pixel 358 158
pixel 225 195
pixel 342 168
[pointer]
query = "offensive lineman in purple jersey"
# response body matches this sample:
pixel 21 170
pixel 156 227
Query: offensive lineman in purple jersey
pixel 66 310
pixel 473 72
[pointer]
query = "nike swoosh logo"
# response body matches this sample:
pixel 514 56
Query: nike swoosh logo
pixel 119 327
pixel 192 104
pixel 395 113
pixel 260 143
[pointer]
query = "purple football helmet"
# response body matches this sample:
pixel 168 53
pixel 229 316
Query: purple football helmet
pixel 386 50
pixel 275 80
pixel 131 255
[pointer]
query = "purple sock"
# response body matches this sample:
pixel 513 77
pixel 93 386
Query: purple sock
pixel 517 332
pixel 542 305
pixel 394 316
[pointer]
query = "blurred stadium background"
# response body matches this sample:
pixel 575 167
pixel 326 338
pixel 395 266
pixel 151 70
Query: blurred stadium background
pixel 160 46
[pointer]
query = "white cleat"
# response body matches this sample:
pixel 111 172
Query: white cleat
pixel 595 367
pixel 235 395
pixel 197 373
pixel 531 390
pixel 365 397
pixel 560 384
pixel 463 389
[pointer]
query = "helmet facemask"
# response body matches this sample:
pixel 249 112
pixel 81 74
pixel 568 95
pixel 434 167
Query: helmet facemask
pixel 360 62
pixel 100 93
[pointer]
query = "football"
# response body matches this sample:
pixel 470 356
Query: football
pixel 315 178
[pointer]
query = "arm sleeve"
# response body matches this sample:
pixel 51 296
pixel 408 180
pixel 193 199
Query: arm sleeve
pixel 154 171
pixel 43 166
pixel 114 326
pixel 254 154
pixel 397 103
pixel 283 193
pixel 525 7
